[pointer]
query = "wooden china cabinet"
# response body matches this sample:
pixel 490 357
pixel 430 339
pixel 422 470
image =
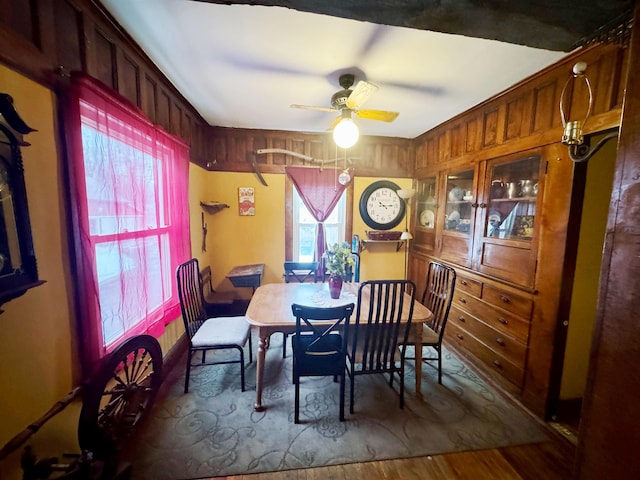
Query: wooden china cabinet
pixel 485 220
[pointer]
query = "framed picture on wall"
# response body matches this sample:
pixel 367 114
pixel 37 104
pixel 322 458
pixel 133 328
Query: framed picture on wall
pixel 246 201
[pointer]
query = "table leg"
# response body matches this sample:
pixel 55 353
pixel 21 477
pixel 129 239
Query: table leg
pixel 263 344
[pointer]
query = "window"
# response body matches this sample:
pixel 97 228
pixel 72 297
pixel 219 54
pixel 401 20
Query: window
pixel 132 221
pixel 304 227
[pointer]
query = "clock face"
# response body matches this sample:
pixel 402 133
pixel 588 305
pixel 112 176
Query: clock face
pixel 380 206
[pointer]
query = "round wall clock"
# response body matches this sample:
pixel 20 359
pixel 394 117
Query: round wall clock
pixel 380 206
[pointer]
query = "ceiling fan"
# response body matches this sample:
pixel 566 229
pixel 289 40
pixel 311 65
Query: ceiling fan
pixel 347 101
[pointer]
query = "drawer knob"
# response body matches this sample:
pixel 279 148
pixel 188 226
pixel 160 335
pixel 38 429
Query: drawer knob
pixel 505 299
pixel 497 363
pixel 463 300
pixel 503 321
pixel 500 341
pixel 461 318
pixel 460 336
pixel 463 282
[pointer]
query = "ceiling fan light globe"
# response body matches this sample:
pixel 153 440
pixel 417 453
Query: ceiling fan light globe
pixel 346 133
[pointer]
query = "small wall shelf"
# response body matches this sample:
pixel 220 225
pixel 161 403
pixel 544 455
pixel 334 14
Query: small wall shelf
pixel 213 207
pixel 363 243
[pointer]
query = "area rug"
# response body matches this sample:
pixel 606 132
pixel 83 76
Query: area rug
pixel 214 431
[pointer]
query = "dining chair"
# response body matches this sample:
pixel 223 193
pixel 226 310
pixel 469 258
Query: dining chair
pixel 216 303
pixel 352 273
pixel 319 346
pixel 437 296
pixel 374 338
pixel 208 333
pixel 300 272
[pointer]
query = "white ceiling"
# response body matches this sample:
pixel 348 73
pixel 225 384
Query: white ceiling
pixel 242 66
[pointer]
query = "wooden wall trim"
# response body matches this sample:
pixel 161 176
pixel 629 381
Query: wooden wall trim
pixel 611 410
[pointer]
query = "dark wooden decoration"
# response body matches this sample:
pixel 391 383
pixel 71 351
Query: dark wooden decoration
pixel 18 269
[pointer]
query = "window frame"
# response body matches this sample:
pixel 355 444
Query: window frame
pixel 296 226
pixel 289 224
pixel 168 233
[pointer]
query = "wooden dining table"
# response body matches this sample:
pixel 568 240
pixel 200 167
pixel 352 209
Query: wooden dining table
pixel 270 312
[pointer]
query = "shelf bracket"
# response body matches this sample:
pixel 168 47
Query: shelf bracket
pixel 583 152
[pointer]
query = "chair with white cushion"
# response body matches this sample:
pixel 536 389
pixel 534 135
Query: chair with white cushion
pixel 208 333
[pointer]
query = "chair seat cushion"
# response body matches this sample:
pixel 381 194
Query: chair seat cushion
pixel 428 335
pixel 220 298
pixel 222 331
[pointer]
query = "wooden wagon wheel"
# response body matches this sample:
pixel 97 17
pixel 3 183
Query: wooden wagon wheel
pixel 120 395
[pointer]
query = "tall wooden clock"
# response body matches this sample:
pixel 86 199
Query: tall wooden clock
pixel 380 206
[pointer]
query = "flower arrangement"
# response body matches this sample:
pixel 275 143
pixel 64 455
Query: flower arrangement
pixel 338 257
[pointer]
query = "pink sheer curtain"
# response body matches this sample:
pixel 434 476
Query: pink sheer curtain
pixel 320 193
pixel 129 185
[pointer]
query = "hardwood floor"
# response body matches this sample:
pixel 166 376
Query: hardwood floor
pixel 541 461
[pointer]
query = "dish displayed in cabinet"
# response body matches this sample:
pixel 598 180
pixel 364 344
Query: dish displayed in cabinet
pixel 427 218
pixel 452 220
pixel 456 194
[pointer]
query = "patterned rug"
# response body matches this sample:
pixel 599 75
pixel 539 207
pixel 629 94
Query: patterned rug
pixel 214 431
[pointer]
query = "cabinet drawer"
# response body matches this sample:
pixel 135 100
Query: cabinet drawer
pixel 499 319
pixel 468 285
pixel 506 346
pixel 494 362
pixel 514 303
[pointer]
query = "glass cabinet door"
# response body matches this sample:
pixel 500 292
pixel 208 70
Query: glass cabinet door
pixel 513 190
pixel 426 213
pixel 426 203
pixel 458 215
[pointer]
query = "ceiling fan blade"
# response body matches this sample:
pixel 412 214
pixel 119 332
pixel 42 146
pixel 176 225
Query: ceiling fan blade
pixel 379 115
pixel 334 123
pixel 309 107
pixel 360 94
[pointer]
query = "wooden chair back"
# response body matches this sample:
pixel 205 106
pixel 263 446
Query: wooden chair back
pixel 438 294
pixel 300 271
pixel 377 344
pixel 210 295
pixel 373 343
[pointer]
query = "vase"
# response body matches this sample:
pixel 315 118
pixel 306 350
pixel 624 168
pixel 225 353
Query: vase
pixel 335 285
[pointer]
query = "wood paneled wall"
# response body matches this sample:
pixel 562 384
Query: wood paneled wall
pixel 528 115
pixel 51 37
pixel 372 156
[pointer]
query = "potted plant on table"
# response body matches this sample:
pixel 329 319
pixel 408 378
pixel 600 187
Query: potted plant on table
pixel 339 260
